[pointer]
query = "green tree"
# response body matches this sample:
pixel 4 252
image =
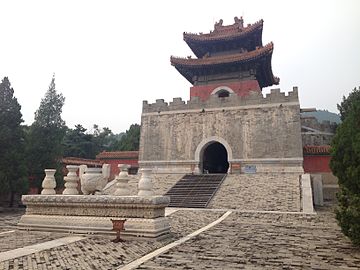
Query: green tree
pixel 45 137
pixel 104 139
pixel 345 164
pixel 131 140
pixel 12 163
pixel 346 105
pixel 79 144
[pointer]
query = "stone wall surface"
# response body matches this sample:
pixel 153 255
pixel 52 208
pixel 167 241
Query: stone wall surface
pixel 254 98
pixel 256 128
pixel 261 192
pixel 325 126
pixel 317 133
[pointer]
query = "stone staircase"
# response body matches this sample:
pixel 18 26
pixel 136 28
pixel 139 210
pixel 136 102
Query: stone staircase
pixel 195 191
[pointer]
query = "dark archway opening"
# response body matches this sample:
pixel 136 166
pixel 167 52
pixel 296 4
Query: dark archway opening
pixel 215 159
pixel 223 93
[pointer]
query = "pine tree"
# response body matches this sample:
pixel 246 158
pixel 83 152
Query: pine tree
pixel 131 140
pixel 79 144
pixel 45 137
pixel 12 163
pixel 345 164
pixel 49 112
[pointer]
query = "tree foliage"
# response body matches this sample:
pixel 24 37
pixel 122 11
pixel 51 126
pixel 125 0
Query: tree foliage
pixel 49 112
pixel 346 105
pixel 131 140
pixel 104 140
pixel 345 164
pixel 78 143
pixel 45 136
pixel 12 164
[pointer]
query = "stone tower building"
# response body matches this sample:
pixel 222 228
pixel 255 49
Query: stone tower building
pixel 227 125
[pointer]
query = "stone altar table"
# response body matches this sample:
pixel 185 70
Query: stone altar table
pixel 145 216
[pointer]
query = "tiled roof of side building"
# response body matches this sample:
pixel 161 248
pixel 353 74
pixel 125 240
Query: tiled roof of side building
pixel 81 161
pixel 316 149
pixel 118 155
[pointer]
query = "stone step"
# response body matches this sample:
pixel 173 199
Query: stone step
pixel 184 191
pixel 195 191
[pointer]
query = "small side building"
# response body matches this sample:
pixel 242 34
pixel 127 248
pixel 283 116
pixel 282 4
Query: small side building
pixel 120 157
pixel 316 137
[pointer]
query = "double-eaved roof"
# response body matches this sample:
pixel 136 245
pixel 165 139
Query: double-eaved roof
pixel 230 47
pixel 234 35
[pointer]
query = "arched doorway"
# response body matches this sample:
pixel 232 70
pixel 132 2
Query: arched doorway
pixel 215 158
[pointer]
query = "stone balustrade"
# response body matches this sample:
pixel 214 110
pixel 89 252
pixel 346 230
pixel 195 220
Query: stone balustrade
pixel 90 214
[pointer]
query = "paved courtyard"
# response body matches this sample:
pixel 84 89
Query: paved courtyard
pixel 240 240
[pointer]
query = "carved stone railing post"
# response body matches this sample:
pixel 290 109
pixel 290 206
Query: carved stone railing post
pixel 49 182
pixel 197 169
pixel 122 187
pixel 71 181
pixel 145 185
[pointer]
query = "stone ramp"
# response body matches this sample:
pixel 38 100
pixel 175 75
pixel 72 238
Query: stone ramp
pixel 259 192
pixel 194 191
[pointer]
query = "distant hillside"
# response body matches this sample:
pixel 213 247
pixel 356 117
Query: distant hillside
pixel 324 115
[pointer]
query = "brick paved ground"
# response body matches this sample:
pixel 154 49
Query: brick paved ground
pixel 20 239
pixel 243 241
pixel 9 218
pixel 98 252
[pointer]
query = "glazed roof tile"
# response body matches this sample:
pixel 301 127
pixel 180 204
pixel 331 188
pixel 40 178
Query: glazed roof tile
pixel 118 155
pixel 190 68
pixel 316 150
pixel 81 161
pixel 223 59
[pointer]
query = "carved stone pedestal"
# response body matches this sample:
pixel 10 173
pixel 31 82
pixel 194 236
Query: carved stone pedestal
pixel 49 182
pixel 145 185
pixel 122 187
pixel 145 216
pixel 71 181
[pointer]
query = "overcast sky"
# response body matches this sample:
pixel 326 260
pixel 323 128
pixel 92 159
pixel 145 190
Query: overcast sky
pixel 109 56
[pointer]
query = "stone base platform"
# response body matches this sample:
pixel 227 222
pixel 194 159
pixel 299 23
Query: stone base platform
pixel 92 214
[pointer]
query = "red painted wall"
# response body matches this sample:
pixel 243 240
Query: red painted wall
pixel 114 170
pixel 242 88
pixel 316 164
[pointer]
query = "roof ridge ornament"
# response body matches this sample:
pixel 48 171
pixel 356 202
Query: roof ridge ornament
pixel 237 25
pixel 240 22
